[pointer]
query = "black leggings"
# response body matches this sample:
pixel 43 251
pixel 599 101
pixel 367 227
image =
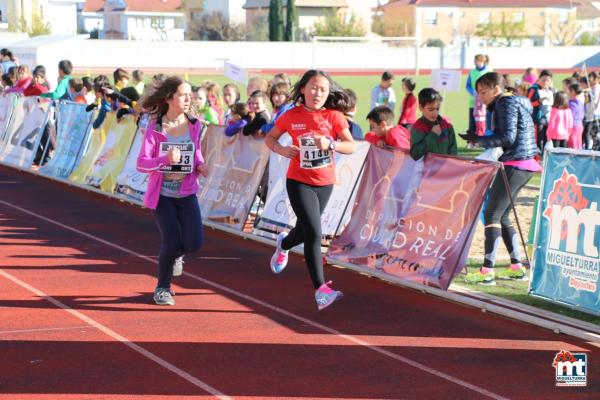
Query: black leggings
pixel 308 203
pixel 180 224
pixel 541 139
pixel 497 211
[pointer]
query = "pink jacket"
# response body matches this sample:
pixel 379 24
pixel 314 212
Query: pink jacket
pixel 149 161
pixel 559 124
pixel 20 85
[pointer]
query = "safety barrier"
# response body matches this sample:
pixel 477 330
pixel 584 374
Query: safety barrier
pixel 389 216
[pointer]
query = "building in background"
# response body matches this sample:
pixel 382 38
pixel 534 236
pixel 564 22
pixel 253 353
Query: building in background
pixel 458 22
pixel 59 15
pixel 588 19
pixel 193 10
pixel 147 20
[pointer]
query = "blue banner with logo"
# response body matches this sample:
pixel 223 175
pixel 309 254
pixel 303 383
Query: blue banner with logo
pixel 567 260
pixel 73 126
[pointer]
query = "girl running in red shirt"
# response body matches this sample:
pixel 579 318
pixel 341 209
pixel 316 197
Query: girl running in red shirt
pixel 317 129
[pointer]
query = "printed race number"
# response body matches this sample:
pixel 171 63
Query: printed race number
pixel 186 164
pixel 311 157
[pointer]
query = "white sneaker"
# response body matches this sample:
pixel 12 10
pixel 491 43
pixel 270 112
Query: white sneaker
pixel 178 266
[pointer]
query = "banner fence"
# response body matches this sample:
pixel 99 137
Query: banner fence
pixel 566 265
pixel 389 214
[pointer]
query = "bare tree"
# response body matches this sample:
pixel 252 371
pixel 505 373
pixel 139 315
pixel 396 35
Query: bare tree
pixel 503 33
pixel 215 27
pixel 561 33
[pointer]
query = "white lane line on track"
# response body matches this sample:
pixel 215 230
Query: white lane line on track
pixel 66 328
pixel 153 357
pixel 289 314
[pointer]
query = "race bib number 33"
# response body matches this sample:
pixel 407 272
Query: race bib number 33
pixel 311 157
pixel 186 164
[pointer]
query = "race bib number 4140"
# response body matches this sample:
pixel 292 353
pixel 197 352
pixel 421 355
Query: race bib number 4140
pixel 311 157
pixel 185 164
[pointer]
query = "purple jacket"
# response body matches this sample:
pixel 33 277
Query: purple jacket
pixel 578 110
pixel 149 161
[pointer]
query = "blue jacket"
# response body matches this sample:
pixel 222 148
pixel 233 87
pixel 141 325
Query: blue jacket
pixel 512 128
pixel 267 127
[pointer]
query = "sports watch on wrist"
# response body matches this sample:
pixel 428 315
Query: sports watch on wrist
pixel 331 145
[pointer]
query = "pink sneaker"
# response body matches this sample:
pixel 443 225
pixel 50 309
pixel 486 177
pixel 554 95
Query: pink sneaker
pixel 279 259
pixel 326 296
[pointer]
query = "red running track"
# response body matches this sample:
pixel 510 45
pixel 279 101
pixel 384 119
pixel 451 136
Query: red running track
pixel 77 320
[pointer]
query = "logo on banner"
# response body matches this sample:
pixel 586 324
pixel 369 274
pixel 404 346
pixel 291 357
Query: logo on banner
pixel 571 368
pixel 574 218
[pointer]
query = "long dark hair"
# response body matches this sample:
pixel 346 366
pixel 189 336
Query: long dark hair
pixel 337 99
pixel 155 102
pixel 7 53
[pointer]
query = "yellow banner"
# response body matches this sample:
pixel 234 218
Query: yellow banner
pixel 97 140
pixel 111 159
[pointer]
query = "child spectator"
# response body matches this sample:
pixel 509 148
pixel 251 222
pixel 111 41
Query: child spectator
pixel 23 80
pixel 279 100
pixel 481 62
pixel 281 77
pixel 578 110
pixel 7 81
pixel 568 82
pixel 590 125
pixel 64 75
pixel 522 89
pixel 240 116
pixel 100 84
pixel 431 133
pixel 541 97
pixel 137 78
pixel 408 113
pixel 42 69
pixel 355 129
pixel 158 79
pixel 213 98
pixel 479 116
pixel 128 99
pixel 560 122
pixel 7 60
pixel 383 94
pixel 121 79
pixel 509 84
pixel 231 95
pixel 76 93
pixel 513 130
pixel 278 95
pixel 88 89
pixel 530 76
pixel 257 106
pixel 383 130
pixel 37 87
pixel 256 83
pixel 200 107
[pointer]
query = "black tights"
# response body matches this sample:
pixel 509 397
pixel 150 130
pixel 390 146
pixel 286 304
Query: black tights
pixel 308 203
pixel 497 211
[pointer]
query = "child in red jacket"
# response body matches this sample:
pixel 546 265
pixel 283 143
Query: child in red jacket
pixel 383 130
